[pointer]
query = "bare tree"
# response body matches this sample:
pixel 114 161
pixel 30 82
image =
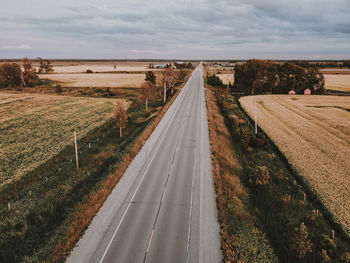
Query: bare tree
pixel 45 66
pixel 121 115
pixel 170 77
pixel 301 243
pixel 148 91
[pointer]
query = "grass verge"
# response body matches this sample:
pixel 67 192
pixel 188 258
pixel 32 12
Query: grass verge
pixel 47 216
pixel 264 219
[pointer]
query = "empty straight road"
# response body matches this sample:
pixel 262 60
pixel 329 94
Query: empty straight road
pixel 163 209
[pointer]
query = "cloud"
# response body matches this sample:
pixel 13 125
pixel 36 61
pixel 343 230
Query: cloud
pixel 192 29
pixel 23 46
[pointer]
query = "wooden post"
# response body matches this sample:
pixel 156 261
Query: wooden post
pixel 120 132
pixel 9 206
pixel 333 235
pixel 304 197
pixel 164 91
pixel 89 145
pixel 76 150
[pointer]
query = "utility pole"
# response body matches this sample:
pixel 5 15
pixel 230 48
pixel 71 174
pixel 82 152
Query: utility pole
pixel 255 115
pixel 76 150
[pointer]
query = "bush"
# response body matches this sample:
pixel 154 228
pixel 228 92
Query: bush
pixel 215 81
pixel 59 88
pixel 261 176
pixel 258 140
pixel 89 71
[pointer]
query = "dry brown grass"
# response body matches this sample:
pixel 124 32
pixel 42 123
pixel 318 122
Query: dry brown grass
pixel 88 210
pixel 223 161
pixel 313 132
pixel 337 82
pixel 227 78
pixel 97 80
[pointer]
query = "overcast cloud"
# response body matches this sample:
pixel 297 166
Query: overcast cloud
pixel 197 29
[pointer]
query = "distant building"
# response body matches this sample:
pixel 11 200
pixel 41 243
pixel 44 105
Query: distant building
pixel 307 92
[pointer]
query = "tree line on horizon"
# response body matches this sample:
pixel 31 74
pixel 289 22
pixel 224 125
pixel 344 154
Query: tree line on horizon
pixel 12 75
pixel 267 76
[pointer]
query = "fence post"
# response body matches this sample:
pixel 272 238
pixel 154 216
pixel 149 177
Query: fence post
pixel 76 150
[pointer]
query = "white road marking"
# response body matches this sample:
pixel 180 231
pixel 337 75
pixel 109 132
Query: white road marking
pixel 132 199
pixel 149 241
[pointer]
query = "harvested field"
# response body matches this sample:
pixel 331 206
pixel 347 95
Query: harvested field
pixel 97 80
pixel 313 132
pixel 34 128
pixel 227 78
pixel 99 68
pixel 337 82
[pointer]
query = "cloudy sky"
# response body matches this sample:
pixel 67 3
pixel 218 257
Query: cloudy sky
pixel 182 29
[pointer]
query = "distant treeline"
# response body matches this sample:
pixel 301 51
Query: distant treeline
pixel 262 76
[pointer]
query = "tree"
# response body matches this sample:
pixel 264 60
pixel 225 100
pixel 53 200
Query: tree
pixel 148 91
pixel 29 77
pixel 170 78
pixel 121 115
pixel 301 243
pixel 261 76
pixel 45 66
pixel 10 75
pixel 215 81
pixel 150 77
pixel 260 176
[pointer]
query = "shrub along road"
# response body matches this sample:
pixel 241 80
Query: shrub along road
pixel 163 209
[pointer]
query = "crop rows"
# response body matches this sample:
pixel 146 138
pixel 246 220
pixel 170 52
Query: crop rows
pixel 313 132
pixel 35 128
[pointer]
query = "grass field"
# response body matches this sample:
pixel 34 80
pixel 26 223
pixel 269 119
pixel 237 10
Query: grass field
pixel 34 128
pixel 337 82
pixel 227 78
pixel 313 132
pixel 97 80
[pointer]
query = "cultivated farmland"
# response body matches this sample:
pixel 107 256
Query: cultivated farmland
pixel 227 78
pixel 337 82
pixel 97 80
pixel 34 128
pixel 313 132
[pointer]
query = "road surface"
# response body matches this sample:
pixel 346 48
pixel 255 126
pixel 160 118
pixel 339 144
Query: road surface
pixel 163 209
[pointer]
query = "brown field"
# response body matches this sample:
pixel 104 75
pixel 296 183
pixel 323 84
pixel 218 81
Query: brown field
pixel 97 80
pixel 337 82
pixel 313 132
pixel 227 78
pixel 335 70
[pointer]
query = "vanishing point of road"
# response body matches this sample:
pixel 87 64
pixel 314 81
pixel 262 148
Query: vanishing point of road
pixel 163 209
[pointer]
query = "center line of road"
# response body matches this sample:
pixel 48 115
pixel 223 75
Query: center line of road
pixel 188 106
pixel 149 164
pixel 149 241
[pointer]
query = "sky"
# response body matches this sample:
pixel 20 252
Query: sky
pixel 179 29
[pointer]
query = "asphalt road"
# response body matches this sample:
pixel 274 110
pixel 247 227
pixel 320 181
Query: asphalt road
pixel 167 212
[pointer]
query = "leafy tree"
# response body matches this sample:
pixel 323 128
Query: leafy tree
pixel 30 79
pixel 150 77
pixel 10 75
pixel 121 115
pixel 261 76
pixel 215 81
pixel 148 91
